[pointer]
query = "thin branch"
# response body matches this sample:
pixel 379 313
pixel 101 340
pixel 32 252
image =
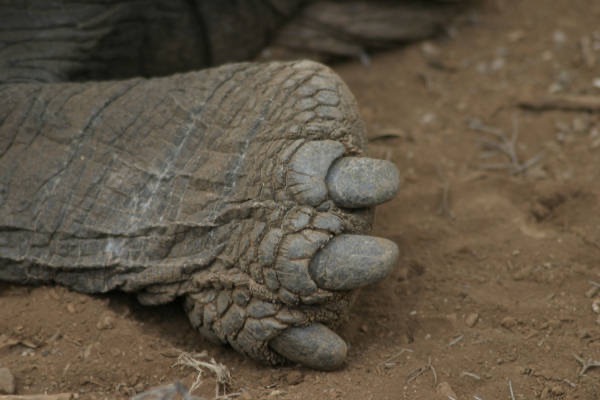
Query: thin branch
pixel 414 374
pixel 221 372
pixel 586 364
pixel 501 144
pixel 567 102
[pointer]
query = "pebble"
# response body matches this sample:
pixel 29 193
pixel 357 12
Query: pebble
pixel 508 322
pixel 559 37
pixel 445 390
pixel 430 50
pixel 106 322
pixel 596 306
pixel 7 382
pixel 139 388
pixel 471 319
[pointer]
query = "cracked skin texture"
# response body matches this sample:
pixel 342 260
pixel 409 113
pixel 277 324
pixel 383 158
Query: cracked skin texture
pixel 193 186
pixel 242 189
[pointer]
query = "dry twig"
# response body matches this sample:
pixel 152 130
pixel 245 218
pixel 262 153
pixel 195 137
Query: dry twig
pixel 456 340
pixel 398 354
pixel 471 375
pixel 512 393
pixel 566 102
pixel 501 144
pixel 421 370
pixel 444 206
pixel 221 372
pixel 586 364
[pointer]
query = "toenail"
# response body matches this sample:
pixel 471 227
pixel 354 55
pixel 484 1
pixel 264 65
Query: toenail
pixel 315 346
pixel 356 182
pixel 352 261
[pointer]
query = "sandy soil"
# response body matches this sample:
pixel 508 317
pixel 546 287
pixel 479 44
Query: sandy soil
pixel 495 289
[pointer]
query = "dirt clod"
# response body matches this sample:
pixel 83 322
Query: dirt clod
pixel 471 319
pixel 106 322
pixel 508 322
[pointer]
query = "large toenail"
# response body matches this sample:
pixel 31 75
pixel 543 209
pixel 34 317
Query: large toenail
pixel 355 182
pixel 352 261
pixel 315 346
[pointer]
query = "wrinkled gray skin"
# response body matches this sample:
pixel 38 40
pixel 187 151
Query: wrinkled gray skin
pixel 242 188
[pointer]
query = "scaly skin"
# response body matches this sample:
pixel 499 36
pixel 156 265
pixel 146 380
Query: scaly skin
pixel 240 188
pixel 212 185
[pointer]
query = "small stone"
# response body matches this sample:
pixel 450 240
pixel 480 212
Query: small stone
pixel 430 50
pixel 445 390
pixel 508 322
pixel 471 319
pixel 559 37
pixel 596 306
pixel 428 118
pixel 364 328
pixel 106 322
pixel 557 390
pixel 71 308
pixel 7 382
pixel 139 388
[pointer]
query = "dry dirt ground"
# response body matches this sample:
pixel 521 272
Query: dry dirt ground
pixel 497 291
